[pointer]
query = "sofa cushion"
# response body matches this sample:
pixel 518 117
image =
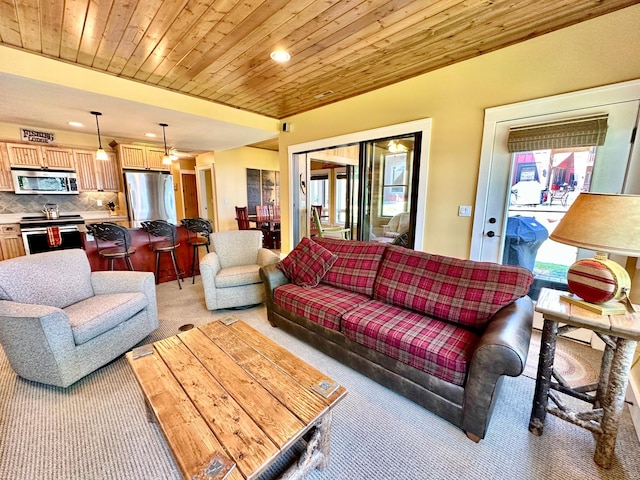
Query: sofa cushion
pixel 356 266
pixel 97 315
pixel 432 346
pixel 461 291
pixel 323 304
pixel 307 263
pixel 238 276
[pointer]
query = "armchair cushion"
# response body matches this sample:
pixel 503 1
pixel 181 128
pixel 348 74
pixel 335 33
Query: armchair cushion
pixel 307 263
pixel 97 315
pixel 237 276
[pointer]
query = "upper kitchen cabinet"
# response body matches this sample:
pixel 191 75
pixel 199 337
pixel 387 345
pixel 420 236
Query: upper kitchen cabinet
pixel 6 182
pixel 37 156
pixel 141 157
pixel 96 175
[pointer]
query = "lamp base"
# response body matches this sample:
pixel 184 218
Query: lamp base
pixel 612 307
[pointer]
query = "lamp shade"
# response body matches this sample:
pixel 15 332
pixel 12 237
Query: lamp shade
pixel 602 222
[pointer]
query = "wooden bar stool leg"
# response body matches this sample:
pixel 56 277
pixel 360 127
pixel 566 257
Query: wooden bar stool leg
pixel 129 263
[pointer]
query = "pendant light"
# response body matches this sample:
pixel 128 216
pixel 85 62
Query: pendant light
pixel 166 159
pixel 100 153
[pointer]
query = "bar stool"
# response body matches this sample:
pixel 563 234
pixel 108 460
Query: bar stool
pixel 169 234
pixel 198 231
pixel 118 242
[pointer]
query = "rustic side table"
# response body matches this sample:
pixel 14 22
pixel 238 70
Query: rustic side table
pixel 620 334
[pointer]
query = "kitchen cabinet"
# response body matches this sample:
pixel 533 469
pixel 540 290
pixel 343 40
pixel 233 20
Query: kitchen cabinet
pixel 141 157
pixel 24 155
pixel 6 182
pixel 96 175
pixel 10 242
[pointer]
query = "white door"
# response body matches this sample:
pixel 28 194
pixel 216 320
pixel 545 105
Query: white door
pixel 494 183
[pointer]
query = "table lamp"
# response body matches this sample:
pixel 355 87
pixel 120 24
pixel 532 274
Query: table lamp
pixel 606 223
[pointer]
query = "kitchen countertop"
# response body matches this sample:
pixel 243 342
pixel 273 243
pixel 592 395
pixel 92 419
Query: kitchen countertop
pixel 89 216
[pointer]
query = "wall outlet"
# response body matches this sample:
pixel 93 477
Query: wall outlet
pixel 99 203
pixel 464 211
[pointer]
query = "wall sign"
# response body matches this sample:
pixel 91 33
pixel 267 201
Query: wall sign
pixel 34 136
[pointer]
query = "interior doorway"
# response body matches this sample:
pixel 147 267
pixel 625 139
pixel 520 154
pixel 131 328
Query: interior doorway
pixel 206 194
pixel 189 194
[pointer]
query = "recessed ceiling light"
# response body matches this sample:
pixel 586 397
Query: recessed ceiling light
pixel 280 56
pixel 75 124
pixel 150 135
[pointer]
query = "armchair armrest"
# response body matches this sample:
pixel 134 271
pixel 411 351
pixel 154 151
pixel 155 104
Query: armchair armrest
pixel 126 281
pixel 33 337
pixel 120 281
pixel 267 257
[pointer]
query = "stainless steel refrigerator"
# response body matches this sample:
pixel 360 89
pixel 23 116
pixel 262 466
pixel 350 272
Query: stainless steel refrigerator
pixel 150 196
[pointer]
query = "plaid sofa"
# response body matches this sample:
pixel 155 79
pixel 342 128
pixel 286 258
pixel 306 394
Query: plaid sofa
pixel 439 330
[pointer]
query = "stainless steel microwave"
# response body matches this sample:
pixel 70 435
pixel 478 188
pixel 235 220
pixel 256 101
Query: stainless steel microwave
pixel 44 182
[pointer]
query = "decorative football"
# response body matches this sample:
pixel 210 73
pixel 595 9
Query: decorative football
pixel 596 281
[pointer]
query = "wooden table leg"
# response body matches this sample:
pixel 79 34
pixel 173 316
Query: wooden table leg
pixel 317 453
pixel 614 401
pixel 543 378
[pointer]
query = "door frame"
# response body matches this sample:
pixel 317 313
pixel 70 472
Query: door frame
pixel 423 126
pixel 518 113
pixel 201 188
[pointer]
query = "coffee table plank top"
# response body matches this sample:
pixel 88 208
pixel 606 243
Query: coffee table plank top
pixel 302 402
pixel 187 434
pixel 269 414
pixel 245 442
pixel 304 373
pixel 226 393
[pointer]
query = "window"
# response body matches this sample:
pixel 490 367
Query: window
pixel 395 187
pixel 319 190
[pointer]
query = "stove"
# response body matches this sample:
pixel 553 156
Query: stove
pixel 41 221
pixel 36 237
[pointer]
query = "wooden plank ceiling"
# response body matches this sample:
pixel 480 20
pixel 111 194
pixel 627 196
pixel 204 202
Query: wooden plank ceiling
pixel 218 50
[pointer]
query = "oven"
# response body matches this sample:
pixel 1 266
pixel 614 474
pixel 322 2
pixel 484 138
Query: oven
pixel 36 238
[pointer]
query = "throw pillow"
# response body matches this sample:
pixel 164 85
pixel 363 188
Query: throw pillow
pixel 307 263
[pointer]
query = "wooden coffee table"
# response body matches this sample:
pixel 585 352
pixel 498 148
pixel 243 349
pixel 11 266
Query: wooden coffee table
pixel 230 402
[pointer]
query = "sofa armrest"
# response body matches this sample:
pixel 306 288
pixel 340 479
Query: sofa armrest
pixel 272 277
pixel 502 350
pixel 267 257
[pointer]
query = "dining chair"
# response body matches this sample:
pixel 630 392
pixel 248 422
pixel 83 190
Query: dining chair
pixel 112 241
pixel 242 217
pixel 168 243
pixel 198 231
pixel 265 222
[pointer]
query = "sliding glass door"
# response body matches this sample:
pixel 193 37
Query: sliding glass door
pixel 369 187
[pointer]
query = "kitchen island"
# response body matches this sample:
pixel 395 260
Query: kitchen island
pixel 144 259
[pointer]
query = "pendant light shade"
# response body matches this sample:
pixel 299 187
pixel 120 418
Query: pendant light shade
pixel 100 153
pixel 166 159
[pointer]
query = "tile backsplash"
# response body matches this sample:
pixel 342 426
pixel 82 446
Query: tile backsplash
pixel 83 202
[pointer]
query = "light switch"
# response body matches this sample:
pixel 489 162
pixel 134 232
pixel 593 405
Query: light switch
pixel 464 211
pixel 99 203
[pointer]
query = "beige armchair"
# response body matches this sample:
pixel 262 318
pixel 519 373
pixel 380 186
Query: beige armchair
pixel 397 225
pixel 230 273
pixel 59 321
